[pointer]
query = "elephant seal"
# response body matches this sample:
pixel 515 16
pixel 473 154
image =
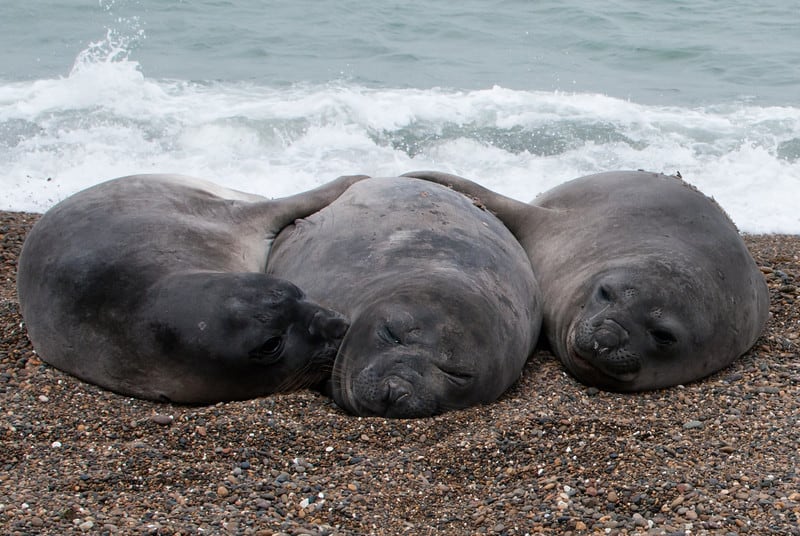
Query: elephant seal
pixel 152 286
pixel 646 282
pixel 442 302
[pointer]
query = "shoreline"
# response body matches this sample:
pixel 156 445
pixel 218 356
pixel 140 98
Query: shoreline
pixel 718 456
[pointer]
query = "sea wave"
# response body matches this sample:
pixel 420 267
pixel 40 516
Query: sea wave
pixel 107 119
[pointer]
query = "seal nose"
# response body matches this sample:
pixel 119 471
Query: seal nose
pixel 328 325
pixel 606 338
pixel 396 389
pixel 608 335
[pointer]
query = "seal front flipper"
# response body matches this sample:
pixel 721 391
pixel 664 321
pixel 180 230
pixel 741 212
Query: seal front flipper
pixel 275 214
pixel 520 218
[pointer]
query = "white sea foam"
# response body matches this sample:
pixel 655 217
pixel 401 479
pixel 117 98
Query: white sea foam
pixel 107 119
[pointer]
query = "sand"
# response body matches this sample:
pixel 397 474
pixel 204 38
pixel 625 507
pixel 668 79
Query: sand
pixel 718 456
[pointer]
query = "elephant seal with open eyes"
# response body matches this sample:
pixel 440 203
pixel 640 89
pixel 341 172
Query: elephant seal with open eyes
pixel 442 302
pixel 646 282
pixel 153 286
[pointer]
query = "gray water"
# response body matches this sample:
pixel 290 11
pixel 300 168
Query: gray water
pixel 668 52
pixel 278 97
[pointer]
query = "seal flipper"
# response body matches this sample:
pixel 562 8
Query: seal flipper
pixel 275 214
pixel 520 218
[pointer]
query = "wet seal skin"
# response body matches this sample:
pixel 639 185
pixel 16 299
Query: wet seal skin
pixel 443 305
pixel 646 282
pixel 153 286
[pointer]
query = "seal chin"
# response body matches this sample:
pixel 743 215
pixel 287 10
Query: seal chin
pixel 392 396
pixel 372 392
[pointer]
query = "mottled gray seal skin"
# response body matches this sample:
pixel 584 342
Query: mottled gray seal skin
pixel 152 286
pixel 442 302
pixel 646 282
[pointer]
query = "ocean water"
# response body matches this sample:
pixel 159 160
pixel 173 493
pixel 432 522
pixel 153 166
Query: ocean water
pixel 520 95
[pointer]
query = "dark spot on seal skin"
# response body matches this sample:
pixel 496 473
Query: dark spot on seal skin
pixel 166 337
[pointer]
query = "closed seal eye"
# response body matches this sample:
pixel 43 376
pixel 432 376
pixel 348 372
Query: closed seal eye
pixel 387 335
pixel 663 337
pixel 459 378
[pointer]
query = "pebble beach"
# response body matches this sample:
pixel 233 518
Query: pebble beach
pixel 718 456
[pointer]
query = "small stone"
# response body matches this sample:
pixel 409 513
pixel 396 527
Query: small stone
pixel 580 525
pixel 43 398
pixel 222 491
pixel 56 444
pixel 612 496
pixel 161 419
pixel 86 525
pixel 692 424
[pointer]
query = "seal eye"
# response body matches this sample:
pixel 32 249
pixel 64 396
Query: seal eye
pixel 388 336
pixel 460 379
pixel 663 337
pixel 268 352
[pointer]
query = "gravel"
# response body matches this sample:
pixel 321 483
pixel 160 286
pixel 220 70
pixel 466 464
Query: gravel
pixel 719 456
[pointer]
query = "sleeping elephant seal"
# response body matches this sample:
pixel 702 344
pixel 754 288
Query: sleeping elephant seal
pixel 442 302
pixel 153 286
pixel 646 282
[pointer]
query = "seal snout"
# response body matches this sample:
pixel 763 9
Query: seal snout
pixel 600 336
pixel 396 389
pixel 608 335
pixel 602 345
pixel 328 325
